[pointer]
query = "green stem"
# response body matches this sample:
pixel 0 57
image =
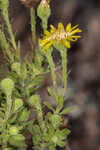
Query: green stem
pixel 53 75
pixel 33 27
pixel 40 120
pixel 44 24
pixel 5 47
pixel 7 115
pixel 65 75
pixel 12 38
pixel 64 79
pixel 9 105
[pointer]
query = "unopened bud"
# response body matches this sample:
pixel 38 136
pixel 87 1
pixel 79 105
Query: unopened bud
pixel 7 85
pixel 44 12
pixel 34 101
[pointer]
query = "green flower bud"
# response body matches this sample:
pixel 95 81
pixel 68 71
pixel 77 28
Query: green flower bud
pixel 16 67
pixel 34 101
pixel 4 5
pixel 7 85
pixel 13 130
pixel 44 12
pixel 18 103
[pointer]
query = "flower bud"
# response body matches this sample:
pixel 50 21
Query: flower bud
pixel 44 12
pixel 7 85
pixel 34 101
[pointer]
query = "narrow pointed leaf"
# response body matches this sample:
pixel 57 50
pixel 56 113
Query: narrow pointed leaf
pixel 66 110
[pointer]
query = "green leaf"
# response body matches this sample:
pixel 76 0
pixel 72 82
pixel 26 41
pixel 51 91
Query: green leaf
pixel 13 118
pixel 61 143
pixel 49 106
pixel 1 97
pixel 67 94
pixel 66 110
pixel 2 114
pixel 65 132
pixel 24 116
pixel 1 121
pixel 4 137
pixel 17 141
pixel 18 103
pixel 52 147
pixel 37 135
pixel 51 93
pixel 55 120
pixel 60 104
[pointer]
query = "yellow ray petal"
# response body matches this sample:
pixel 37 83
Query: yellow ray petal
pixel 74 38
pixel 48 45
pixel 67 44
pixel 60 25
pixel 75 31
pixel 42 42
pixel 74 27
pixel 53 29
pixel 46 32
pixel 68 27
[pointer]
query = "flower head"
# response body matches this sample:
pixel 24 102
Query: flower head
pixel 59 35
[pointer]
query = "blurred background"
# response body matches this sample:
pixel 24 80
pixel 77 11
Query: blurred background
pixel 84 63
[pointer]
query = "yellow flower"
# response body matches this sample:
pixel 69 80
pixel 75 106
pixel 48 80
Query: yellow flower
pixel 59 35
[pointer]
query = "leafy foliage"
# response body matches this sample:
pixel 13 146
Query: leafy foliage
pixel 18 91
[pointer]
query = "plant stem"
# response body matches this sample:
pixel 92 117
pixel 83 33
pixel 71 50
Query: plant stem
pixel 41 122
pixel 7 115
pixel 52 67
pixel 44 24
pixel 33 27
pixel 9 105
pixel 5 47
pixel 63 52
pixel 12 38
pixel 65 74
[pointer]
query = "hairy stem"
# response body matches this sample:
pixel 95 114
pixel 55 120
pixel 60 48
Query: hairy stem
pixel 52 68
pixel 64 75
pixel 12 38
pixel 33 27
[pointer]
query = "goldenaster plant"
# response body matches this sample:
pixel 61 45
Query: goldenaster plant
pixel 60 35
pixel 28 118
